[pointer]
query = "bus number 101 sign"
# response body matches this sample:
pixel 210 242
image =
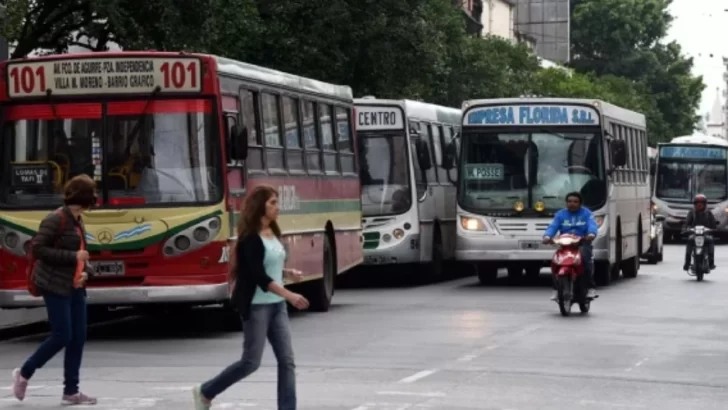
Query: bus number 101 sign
pixel 129 75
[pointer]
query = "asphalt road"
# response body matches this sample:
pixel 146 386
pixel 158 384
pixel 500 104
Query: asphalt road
pixel 654 342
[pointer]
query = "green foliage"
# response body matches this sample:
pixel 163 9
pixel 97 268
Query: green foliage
pixel 624 38
pixel 414 49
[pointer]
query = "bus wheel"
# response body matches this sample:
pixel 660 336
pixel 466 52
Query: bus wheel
pixel 434 270
pixel 602 273
pixel 320 292
pixel 487 273
pixel 631 267
pixel 515 273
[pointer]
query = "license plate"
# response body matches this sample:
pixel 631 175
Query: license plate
pixel 486 172
pixel 376 260
pixel 532 245
pixel 108 268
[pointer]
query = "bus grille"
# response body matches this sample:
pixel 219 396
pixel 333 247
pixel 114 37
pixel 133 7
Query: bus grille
pixel 371 240
pixel 521 226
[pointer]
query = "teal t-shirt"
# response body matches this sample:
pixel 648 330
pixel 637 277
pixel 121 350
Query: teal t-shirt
pixel 273 262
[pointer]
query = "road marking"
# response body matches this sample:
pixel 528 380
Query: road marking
pixel 417 376
pixel 174 388
pixel 409 393
pixel 638 364
pixel 477 353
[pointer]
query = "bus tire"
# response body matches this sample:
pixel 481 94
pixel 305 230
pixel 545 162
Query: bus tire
pixel 631 267
pixel 320 292
pixel 602 273
pixel 434 268
pixel 487 273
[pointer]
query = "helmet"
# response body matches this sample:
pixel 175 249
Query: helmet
pixel 700 198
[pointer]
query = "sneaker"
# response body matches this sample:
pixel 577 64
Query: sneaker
pixel 20 385
pixel 77 399
pixel 201 403
pixel 591 293
pixel 712 266
pixel 555 295
pixel 686 267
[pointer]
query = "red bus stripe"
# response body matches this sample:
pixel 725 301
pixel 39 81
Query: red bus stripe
pixel 45 111
pixel 159 106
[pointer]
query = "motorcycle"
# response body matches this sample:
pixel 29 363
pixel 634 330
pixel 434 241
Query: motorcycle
pixel 567 269
pixel 700 265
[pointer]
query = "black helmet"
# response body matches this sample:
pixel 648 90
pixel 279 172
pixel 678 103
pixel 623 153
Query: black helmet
pixel 700 198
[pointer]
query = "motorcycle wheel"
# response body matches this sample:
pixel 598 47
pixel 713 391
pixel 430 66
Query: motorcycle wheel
pixel 699 275
pixel 564 290
pixel 584 306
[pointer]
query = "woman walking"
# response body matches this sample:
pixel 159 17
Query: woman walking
pixel 60 274
pixel 257 273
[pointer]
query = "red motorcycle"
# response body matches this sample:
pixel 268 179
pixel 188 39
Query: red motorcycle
pixel 567 268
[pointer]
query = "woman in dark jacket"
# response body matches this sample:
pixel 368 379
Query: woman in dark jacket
pixel 257 273
pixel 60 273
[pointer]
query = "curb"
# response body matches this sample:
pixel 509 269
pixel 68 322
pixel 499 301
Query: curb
pixel 13 331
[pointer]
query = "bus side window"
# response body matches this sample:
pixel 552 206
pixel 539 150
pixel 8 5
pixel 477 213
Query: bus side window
pixel 294 153
pixel 344 143
pixel 273 132
pixel 420 181
pixel 235 169
pixel 249 121
pixel 311 141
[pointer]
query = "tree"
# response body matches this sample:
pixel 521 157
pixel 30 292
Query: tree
pixel 623 38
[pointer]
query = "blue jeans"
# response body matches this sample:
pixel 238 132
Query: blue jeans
pixel 67 318
pixel 271 321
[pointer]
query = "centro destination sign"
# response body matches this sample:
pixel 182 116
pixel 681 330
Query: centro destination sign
pixel 530 114
pixel 111 75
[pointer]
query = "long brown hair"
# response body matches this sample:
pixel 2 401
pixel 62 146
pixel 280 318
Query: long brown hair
pixel 249 220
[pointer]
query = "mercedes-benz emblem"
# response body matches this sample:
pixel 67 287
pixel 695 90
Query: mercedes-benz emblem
pixel 105 236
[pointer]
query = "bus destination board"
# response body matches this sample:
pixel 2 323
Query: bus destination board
pixel 693 152
pixel 530 114
pixel 111 75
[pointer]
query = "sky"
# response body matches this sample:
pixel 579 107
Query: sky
pixel 702 31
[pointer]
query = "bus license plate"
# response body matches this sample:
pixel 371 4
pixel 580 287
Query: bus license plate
pixel 532 245
pixel 108 268
pixel 376 260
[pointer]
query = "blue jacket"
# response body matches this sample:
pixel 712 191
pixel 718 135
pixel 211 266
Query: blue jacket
pixel 579 223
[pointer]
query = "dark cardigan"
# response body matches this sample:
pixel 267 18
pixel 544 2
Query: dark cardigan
pixel 251 274
pixel 55 252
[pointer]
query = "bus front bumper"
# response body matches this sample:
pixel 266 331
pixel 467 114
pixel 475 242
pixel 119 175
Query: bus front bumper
pixel 500 249
pixel 125 296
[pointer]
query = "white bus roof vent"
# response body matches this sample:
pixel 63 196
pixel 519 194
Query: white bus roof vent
pixel 368 97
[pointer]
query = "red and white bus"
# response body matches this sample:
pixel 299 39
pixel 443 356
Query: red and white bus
pixel 175 141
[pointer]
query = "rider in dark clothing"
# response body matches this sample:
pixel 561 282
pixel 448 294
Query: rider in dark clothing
pixel 700 216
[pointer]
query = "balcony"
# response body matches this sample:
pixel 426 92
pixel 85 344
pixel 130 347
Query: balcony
pixel 473 11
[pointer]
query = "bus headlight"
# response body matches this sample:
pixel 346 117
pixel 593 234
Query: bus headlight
pixel 14 241
pixel 398 233
pixel 472 223
pixel 193 237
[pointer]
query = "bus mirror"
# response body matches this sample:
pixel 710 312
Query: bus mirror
pixel 423 155
pixel 448 160
pixel 238 142
pixel 619 153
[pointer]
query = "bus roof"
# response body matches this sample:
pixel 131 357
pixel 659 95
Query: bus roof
pixel 607 109
pixel 699 139
pixel 418 109
pixel 270 76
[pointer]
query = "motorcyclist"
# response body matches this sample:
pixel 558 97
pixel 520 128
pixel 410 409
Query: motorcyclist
pixel 700 216
pixel 579 221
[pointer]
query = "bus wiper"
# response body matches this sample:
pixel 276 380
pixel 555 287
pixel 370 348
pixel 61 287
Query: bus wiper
pixel 49 95
pixel 143 115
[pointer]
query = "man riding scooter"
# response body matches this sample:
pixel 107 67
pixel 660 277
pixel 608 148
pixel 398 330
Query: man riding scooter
pixel 576 220
pixel 700 216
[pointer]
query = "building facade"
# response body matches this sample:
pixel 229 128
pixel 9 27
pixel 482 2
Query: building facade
pixel 546 24
pixel 715 121
pixel 489 17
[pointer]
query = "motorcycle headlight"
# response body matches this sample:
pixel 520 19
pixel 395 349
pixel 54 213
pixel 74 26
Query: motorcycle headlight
pixel 699 241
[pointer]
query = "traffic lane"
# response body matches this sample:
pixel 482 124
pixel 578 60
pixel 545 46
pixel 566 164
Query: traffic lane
pixel 453 345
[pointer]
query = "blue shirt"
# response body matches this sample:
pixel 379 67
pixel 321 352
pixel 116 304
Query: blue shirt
pixel 273 262
pixel 580 223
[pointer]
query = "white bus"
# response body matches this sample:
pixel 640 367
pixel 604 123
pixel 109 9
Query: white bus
pixel 407 190
pixel 519 159
pixel 685 167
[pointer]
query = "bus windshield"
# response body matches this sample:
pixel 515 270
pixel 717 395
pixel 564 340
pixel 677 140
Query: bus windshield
pixel 680 181
pixel 140 152
pixel 383 173
pixel 501 169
